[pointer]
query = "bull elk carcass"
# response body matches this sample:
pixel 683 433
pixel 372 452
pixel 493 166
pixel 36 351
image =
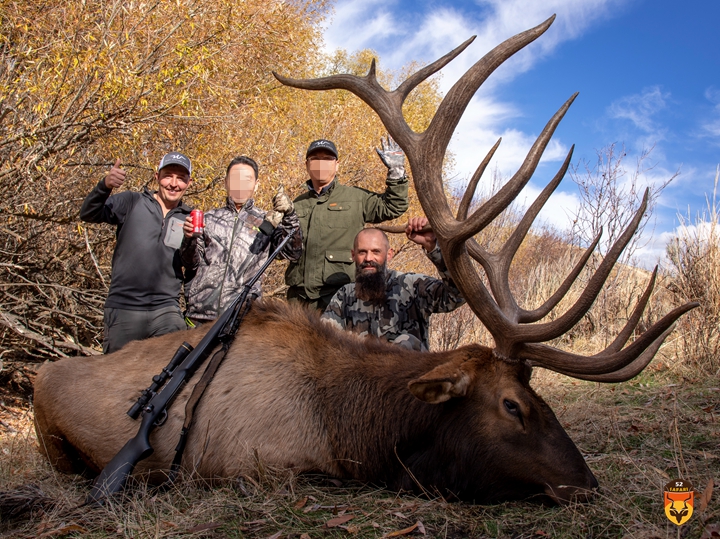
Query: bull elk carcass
pixel 299 395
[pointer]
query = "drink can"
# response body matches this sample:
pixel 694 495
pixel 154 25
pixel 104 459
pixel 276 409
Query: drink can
pixel 198 222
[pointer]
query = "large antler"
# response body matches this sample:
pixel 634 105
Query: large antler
pixel 516 334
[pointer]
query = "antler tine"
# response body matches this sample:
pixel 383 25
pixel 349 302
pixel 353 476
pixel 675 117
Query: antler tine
pixel 513 243
pixel 387 105
pixel 636 366
pixel 578 366
pixel 497 266
pixel 628 371
pixel 453 105
pixel 504 197
pixel 637 313
pixel 551 330
pixel 542 311
pixel 472 185
pixel 419 76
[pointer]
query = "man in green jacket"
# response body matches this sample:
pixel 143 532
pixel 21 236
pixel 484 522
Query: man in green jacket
pixel 331 215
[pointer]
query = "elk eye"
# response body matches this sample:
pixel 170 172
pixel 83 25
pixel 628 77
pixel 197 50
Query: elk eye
pixel 512 407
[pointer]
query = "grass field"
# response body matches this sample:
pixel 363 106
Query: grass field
pixel 635 436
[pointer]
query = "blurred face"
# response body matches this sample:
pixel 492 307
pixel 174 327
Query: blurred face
pixel 241 183
pixel 322 166
pixel 371 252
pixel 172 182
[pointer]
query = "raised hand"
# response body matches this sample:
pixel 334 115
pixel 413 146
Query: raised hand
pixel 281 202
pixel 115 176
pixel 414 231
pixel 392 157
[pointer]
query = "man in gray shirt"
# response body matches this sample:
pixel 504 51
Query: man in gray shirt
pixel 147 272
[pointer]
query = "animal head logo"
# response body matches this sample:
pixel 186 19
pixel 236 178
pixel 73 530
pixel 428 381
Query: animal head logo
pixel 678 501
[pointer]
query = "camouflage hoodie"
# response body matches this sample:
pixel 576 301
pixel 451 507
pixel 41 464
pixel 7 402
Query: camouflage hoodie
pixel 233 247
pixel 405 316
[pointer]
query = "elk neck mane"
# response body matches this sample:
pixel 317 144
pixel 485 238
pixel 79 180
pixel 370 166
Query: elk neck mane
pixel 362 384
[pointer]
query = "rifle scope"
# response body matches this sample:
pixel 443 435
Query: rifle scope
pixel 159 380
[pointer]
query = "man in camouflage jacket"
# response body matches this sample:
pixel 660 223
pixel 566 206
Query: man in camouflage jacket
pixel 331 214
pixel 236 242
pixel 388 304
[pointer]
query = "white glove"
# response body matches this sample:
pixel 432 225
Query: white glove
pixel 392 157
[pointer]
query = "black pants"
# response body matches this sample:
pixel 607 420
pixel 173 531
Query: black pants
pixel 123 326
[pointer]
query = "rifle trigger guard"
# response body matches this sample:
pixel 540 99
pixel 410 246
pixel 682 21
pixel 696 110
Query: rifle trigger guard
pixel 160 421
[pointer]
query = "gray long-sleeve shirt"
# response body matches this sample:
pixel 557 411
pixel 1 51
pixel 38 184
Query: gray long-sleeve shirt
pixel 146 273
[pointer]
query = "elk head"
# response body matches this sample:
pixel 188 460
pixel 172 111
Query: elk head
pixel 515 330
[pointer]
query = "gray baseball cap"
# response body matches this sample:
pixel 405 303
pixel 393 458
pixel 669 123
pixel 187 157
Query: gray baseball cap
pixel 175 158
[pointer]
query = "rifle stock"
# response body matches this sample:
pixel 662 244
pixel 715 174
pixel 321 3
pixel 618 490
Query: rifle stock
pixel 113 477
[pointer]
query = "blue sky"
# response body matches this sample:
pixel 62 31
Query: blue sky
pixel 648 73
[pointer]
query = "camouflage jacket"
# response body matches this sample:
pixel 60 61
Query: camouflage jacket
pixel 411 299
pixel 233 247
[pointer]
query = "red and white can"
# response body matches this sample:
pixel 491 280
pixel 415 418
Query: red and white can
pixel 198 222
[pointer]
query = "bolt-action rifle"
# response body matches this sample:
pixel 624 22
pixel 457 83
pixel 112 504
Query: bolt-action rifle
pixel 155 400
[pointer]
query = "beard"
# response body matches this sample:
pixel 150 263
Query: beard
pixel 371 286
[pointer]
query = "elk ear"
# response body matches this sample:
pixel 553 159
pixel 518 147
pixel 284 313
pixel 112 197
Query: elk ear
pixel 443 382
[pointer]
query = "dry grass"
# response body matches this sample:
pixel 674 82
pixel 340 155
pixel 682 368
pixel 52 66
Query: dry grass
pixel 635 436
pixel 695 270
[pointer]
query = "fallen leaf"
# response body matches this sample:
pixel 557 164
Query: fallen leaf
pixel 706 495
pixel 540 533
pixel 351 529
pixel 64 530
pixel 398 533
pixel 335 522
pixel 399 514
pixel 205 527
pixel 276 535
pixel 304 536
pixel 421 528
pixel 300 503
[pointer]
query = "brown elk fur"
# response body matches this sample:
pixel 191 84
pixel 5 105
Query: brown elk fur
pixel 303 396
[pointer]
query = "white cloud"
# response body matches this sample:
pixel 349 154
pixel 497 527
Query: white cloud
pixel 407 35
pixel 640 109
pixel 711 127
pixel 557 212
pixel 359 25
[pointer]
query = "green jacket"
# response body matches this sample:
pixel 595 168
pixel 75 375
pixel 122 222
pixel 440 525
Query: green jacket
pixel 329 225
